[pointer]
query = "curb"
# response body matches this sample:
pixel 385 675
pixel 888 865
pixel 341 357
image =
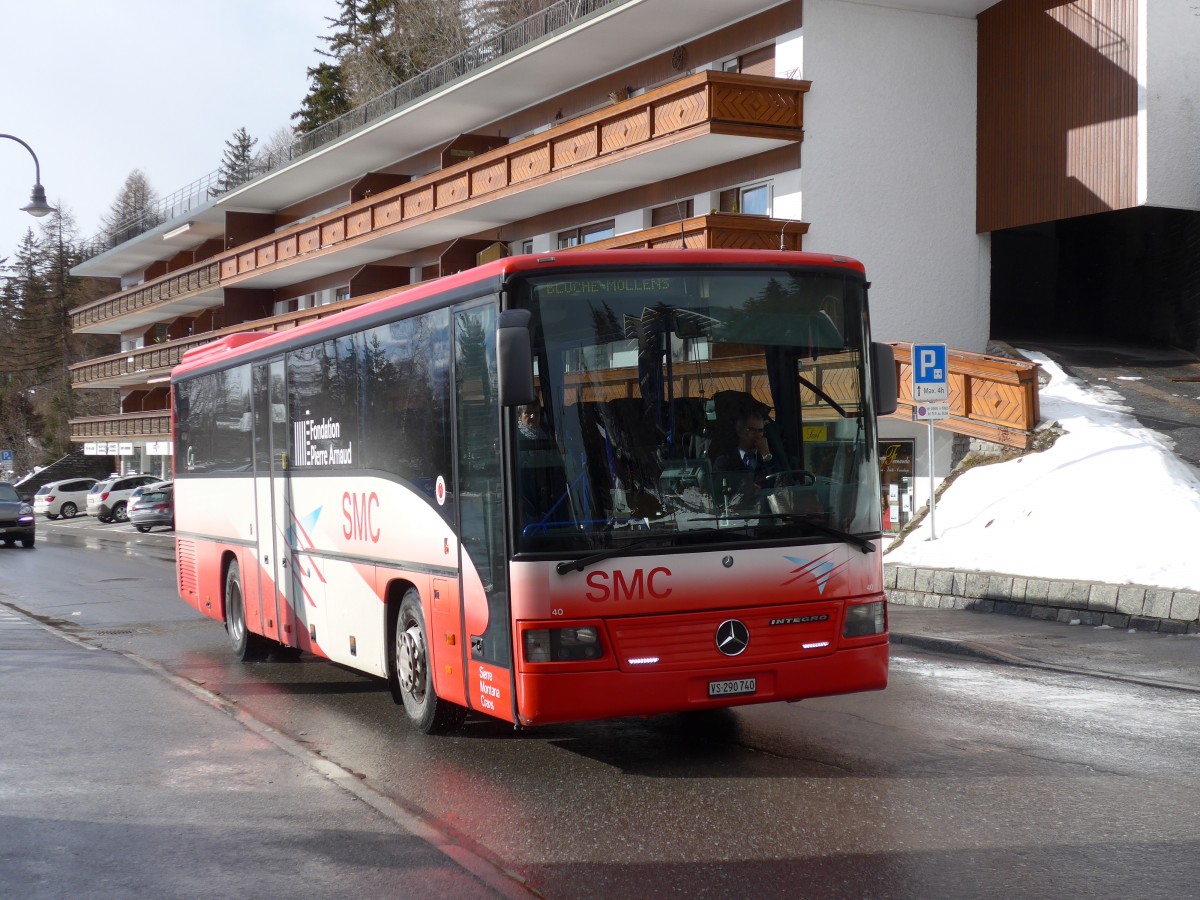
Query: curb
pixel 1141 607
pixel 984 653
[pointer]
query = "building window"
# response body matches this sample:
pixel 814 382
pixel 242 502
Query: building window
pixel 527 246
pixel 757 200
pixel 671 212
pixel 754 199
pixel 587 234
pixel 732 65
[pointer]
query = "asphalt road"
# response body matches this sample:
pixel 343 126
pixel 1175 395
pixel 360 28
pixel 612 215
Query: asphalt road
pixel 962 779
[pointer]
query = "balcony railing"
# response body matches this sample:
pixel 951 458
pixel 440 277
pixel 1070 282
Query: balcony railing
pixel 151 293
pixel 158 359
pixel 709 102
pixel 155 425
pixel 534 28
pixel 705 103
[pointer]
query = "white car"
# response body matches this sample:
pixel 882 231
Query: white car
pixel 66 498
pixel 107 499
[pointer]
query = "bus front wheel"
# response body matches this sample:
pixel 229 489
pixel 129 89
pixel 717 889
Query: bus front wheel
pixel 247 646
pixel 412 672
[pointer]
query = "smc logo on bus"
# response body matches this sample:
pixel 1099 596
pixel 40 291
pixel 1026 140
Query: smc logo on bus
pixel 358 511
pixel 606 586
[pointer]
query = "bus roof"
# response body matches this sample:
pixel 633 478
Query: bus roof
pixel 232 347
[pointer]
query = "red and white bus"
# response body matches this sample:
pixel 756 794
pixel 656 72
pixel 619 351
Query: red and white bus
pixel 503 491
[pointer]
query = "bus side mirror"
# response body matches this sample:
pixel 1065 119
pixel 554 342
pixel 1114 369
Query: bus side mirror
pixel 514 358
pixel 883 378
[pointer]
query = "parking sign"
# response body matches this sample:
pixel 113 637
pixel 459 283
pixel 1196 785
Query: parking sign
pixel 6 456
pixel 929 372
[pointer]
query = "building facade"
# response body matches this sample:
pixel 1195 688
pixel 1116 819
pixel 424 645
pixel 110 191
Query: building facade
pixel 968 152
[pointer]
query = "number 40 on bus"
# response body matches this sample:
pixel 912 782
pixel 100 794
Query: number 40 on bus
pixel 585 485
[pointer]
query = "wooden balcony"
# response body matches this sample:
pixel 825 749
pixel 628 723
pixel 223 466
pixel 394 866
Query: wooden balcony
pixel 137 367
pixel 741 114
pixel 720 230
pixel 154 425
pixel 189 283
pixel 707 103
pixel 992 398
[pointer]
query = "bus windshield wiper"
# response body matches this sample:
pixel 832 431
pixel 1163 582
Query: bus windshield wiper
pixel 860 542
pixel 578 565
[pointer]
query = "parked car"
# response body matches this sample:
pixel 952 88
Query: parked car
pixel 138 491
pixel 107 501
pixel 152 505
pixel 16 518
pixel 62 498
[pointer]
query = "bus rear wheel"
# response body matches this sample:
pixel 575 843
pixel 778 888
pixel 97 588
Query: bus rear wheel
pixel 247 646
pixel 412 674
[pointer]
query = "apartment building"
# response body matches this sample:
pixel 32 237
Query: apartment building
pixel 983 159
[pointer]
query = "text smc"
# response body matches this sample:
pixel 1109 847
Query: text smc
pixel 358 513
pixel 615 586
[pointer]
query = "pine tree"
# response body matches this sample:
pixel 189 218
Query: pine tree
pixel 376 45
pixel 237 165
pixel 326 100
pixel 37 294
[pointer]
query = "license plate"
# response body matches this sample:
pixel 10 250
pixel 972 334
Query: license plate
pixel 732 687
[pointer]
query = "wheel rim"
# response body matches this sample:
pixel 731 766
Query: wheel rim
pixel 236 619
pixel 410 658
pixel 68 511
pixel 119 513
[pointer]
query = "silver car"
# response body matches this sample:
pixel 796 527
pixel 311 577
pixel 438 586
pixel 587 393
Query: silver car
pixel 152 505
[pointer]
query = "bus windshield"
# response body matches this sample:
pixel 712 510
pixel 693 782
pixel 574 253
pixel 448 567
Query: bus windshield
pixel 676 409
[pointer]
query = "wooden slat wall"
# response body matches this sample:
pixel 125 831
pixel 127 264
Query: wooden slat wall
pixel 1057 113
pixel 991 397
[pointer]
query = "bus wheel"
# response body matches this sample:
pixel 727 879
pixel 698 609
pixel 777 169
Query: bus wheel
pixel 246 645
pixel 413 674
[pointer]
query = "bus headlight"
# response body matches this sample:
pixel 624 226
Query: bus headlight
pixel 562 644
pixel 865 619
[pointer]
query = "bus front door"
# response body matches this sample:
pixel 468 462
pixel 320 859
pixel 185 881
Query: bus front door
pixel 483 563
pixel 271 501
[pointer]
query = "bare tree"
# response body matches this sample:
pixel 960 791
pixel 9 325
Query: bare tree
pixel 276 149
pixel 134 211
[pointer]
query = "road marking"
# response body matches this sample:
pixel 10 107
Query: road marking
pixel 9 619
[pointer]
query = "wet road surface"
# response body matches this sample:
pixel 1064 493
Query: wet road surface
pixel 962 779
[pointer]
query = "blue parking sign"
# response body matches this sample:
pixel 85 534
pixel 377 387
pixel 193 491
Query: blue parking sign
pixel 929 372
pixel 6 456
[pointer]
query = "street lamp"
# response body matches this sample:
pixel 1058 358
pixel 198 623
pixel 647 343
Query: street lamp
pixel 37 205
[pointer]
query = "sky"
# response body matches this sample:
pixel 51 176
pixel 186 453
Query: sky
pixel 1108 502
pixel 98 88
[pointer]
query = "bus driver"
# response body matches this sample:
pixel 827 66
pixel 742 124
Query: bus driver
pixel 752 453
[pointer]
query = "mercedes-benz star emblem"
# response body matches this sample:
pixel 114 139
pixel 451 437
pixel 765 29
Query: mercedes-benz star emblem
pixel 732 637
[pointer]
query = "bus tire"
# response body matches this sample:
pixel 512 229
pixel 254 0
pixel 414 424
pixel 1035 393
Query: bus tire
pixel 412 673
pixel 247 646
